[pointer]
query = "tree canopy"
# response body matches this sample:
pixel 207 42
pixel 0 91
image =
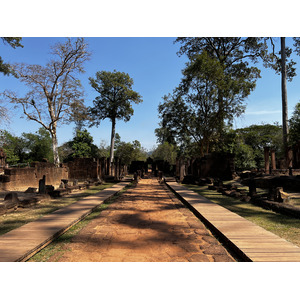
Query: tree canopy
pixel 294 124
pixel 28 147
pixel 166 152
pixel 229 58
pixel 249 143
pixel 14 42
pixel 82 145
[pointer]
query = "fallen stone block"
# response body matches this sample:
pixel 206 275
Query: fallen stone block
pixel 27 201
pixel 11 200
pixel 31 190
pixel 2 209
pixel 245 198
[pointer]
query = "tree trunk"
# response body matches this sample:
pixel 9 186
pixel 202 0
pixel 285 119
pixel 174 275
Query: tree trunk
pixel 54 146
pixel 112 145
pixel 284 95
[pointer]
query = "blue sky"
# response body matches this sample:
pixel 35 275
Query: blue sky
pixel 156 70
pixel 151 62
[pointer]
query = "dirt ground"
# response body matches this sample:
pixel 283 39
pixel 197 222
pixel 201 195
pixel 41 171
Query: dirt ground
pixel 147 223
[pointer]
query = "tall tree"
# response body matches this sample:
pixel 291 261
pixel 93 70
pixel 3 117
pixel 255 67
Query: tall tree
pixel 283 65
pixel 233 55
pixel 285 130
pixel 55 93
pixel 194 111
pixel 114 100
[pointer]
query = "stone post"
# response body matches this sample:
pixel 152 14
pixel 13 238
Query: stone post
pixel 273 159
pixel 181 169
pixel 116 162
pixel 289 158
pixel 267 162
pixel 177 173
pixel 42 185
pixel 252 188
pixel 107 164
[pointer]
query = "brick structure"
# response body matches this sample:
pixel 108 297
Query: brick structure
pixel 217 165
pixel 80 169
pixel 2 158
pixel 84 169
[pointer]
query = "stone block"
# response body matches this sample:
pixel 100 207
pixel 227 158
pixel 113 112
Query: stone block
pixel 11 200
pixel 31 190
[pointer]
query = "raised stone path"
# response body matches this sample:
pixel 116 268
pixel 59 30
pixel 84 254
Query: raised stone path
pixel 23 242
pixel 147 223
pixel 248 240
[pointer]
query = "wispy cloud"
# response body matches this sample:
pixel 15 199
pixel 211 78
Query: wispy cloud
pixel 263 112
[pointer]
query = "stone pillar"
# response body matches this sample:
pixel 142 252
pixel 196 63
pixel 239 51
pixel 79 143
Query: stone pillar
pixel 107 162
pixel 177 173
pixel 252 188
pixel 182 169
pixel 289 158
pixel 267 162
pixel 116 168
pixel 42 185
pixel 273 159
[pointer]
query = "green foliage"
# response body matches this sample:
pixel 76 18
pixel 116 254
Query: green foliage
pixel 294 124
pixel 104 149
pixel 115 97
pixel 38 145
pixel 250 143
pixel 27 148
pixel 65 152
pixel 244 156
pixel 274 59
pixel 229 63
pixel 129 152
pixel 13 42
pixel 13 147
pixel 215 83
pixel 166 152
pixel 82 145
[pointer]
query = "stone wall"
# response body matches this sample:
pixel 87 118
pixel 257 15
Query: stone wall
pixel 19 179
pixel 216 165
pixel 84 169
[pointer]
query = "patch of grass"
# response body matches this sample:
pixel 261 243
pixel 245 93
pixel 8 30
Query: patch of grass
pixel 58 247
pixel 281 225
pixel 23 216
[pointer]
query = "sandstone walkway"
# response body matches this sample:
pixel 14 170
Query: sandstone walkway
pixel 145 224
